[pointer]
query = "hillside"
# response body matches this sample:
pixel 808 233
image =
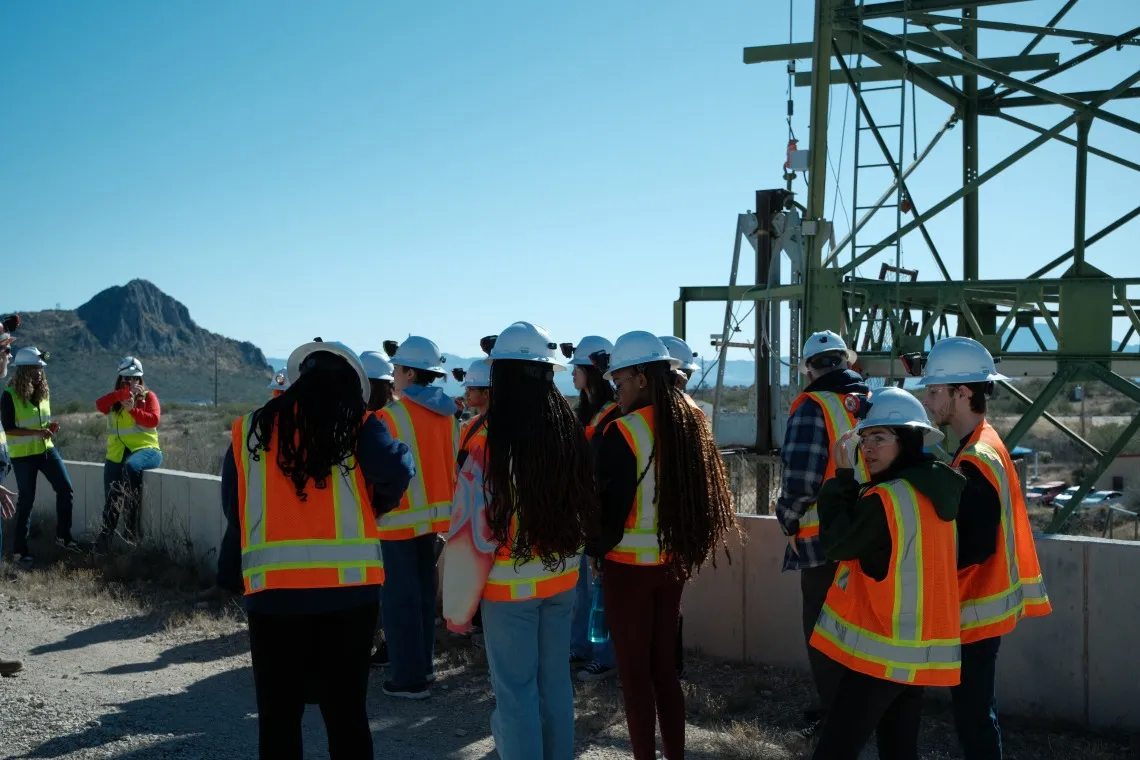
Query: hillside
pixel 139 319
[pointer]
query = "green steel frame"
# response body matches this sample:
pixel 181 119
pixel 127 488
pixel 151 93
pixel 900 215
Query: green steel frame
pixel 1077 308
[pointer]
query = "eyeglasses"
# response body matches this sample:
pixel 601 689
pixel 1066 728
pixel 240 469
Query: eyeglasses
pixel 875 440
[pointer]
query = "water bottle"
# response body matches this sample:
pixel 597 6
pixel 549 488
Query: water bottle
pixel 599 630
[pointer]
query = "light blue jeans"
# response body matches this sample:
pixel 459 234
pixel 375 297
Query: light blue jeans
pixel 580 643
pixel 526 645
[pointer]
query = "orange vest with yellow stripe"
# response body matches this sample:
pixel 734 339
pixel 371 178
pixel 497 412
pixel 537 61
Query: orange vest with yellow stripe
pixel 839 420
pixel 434 443
pixel 609 409
pixel 997 593
pixel 329 540
pixel 639 544
pixel 903 628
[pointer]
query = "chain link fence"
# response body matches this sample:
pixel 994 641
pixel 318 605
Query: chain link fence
pixel 754 480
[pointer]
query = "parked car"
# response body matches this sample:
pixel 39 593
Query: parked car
pixel 1094 499
pixel 1044 493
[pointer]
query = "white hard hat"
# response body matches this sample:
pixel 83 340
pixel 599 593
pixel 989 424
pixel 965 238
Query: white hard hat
pixel 638 347
pixel 129 366
pixel 478 375
pixel 419 353
pixel 894 407
pixel 526 342
pixel 279 381
pixel 955 361
pixel 680 350
pixel 377 365
pixel 825 342
pixel 590 344
pixel 302 353
pixel 29 357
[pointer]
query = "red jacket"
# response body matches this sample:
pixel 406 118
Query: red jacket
pixel 146 416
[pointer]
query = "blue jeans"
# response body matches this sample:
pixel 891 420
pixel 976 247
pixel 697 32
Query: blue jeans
pixel 580 644
pixel 409 608
pixel 122 486
pixel 50 463
pixel 526 646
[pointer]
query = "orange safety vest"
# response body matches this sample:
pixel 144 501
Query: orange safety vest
pixel 997 593
pixel 639 544
pixel 468 430
pixel 608 409
pixel 330 540
pixel 434 442
pixel 838 420
pixel 509 582
pixel 905 627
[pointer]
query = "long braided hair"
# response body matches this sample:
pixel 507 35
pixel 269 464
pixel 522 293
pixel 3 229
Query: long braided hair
pixel 30 384
pixel 694 504
pixel 539 468
pixel 318 420
pixel 594 396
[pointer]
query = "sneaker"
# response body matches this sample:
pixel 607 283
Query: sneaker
pixel 430 678
pixel 68 543
pixel 380 656
pixel 596 671
pixel 25 560
pixel 414 691
pixel 577 659
pixel 808 731
pixel 9 668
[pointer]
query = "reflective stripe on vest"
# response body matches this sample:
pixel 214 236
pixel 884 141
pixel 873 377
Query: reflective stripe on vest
pixel 599 418
pixel 124 434
pixel 416 515
pixel 639 544
pixel 528 580
pixel 29 417
pixel 354 553
pixel 1008 585
pixel 838 421
pixel 918 638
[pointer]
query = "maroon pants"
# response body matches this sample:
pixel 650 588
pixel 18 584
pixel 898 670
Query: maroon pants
pixel 642 607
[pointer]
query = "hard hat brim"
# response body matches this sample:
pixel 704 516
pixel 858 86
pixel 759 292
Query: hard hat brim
pixel 673 364
pixel 851 357
pixel 995 377
pixel 425 366
pixel 131 373
pixel 554 364
pixel 301 353
pixel 931 435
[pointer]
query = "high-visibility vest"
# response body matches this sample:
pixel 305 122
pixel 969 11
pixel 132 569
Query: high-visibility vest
pixel 639 544
pixel 509 582
pixel 905 627
pixel 610 410
pixel 838 420
pixel 329 540
pixel 29 417
pixel 434 442
pixel 997 593
pixel 124 434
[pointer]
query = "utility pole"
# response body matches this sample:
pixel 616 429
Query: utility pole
pixel 215 376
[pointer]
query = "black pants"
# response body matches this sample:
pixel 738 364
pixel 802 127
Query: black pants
pixel 864 705
pixel 825 672
pixel 975 703
pixel 324 658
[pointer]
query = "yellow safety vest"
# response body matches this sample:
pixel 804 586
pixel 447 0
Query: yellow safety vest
pixel 124 434
pixel 639 544
pixel 29 417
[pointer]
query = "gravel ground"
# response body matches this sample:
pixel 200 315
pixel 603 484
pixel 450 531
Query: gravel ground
pixel 112 672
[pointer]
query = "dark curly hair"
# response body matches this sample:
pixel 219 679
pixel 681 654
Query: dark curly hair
pixel 31 384
pixel 597 393
pixel 539 469
pixel 318 420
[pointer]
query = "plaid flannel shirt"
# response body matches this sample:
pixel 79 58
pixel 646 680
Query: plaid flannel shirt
pixel 805 455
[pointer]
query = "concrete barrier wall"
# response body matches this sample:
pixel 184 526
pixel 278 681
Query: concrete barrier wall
pixel 1077 665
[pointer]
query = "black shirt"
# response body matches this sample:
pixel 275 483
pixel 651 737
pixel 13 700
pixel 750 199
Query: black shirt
pixel 979 515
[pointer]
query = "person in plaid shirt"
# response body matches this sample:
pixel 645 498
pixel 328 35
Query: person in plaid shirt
pixel 806 455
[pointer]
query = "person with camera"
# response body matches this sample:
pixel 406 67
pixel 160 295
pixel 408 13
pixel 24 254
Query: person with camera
pixel 818 417
pixel 133 414
pixel 424 418
pixel 999 576
pixel 303 482
pixel 8 667
pixel 524 503
pixel 596 408
pixel 25 412
pixel 666 508
pixel 890 619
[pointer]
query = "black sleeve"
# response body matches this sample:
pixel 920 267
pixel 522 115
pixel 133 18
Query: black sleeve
pixel 616 469
pixel 853 528
pixel 229 554
pixel 979 517
pixel 7 411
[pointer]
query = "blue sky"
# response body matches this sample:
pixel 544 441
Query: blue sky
pixel 365 170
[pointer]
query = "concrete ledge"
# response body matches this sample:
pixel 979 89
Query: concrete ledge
pixel 1076 665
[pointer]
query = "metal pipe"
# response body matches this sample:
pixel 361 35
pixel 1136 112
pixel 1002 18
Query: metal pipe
pixel 971 241
pixel 1079 59
pixel 1083 126
pixel 723 353
pixel 1070 141
pixel 1089 241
